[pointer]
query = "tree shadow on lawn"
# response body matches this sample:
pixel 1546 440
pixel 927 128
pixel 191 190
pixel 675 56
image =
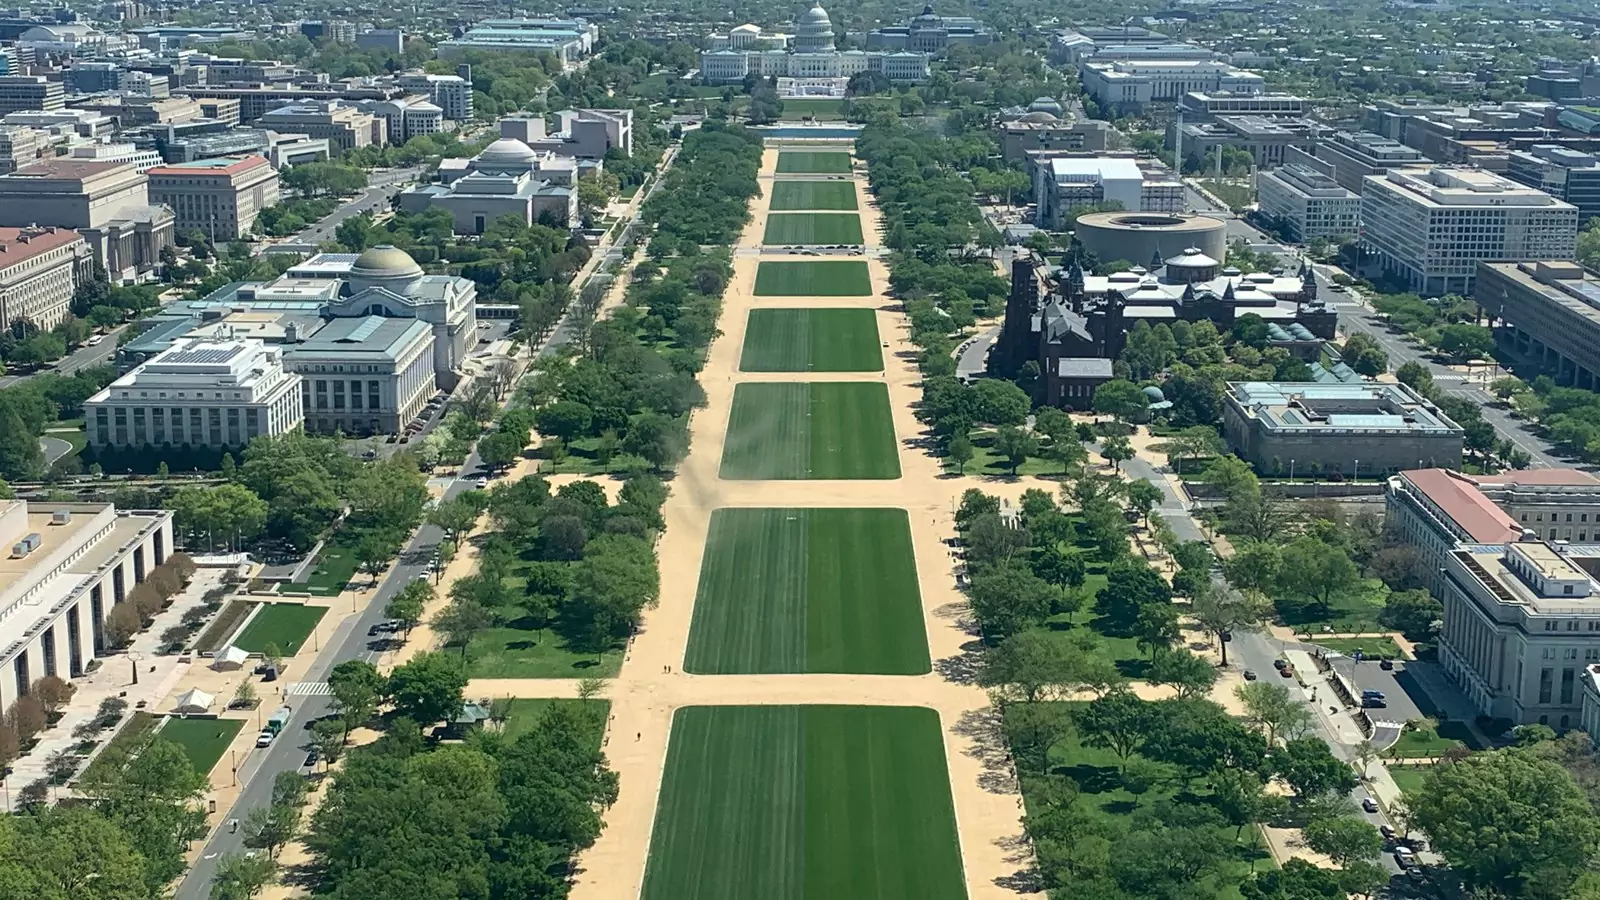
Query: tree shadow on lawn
pixel 984 728
pixel 963 668
pixel 1116 647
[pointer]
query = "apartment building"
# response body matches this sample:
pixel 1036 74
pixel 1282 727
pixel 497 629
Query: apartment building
pixel 1308 203
pixel 39 269
pixel 1432 226
pixel 54 598
pixel 218 197
pixel 202 392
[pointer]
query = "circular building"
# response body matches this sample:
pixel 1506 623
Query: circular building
pixel 814 33
pixel 387 267
pixel 1139 236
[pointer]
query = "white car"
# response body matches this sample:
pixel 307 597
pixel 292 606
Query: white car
pixel 95 340
pixel 481 483
pixel 265 739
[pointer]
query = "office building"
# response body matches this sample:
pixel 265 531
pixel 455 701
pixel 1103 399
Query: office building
pixel 810 53
pixel 39 270
pixel 218 197
pixel 202 392
pixel 569 40
pixel 19 147
pixel 387 40
pixel 1040 127
pixel 255 102
pixel 1548 314
pixel 1370 427
pixel 404 118
pixel 1430 227
pixel 1265 138
pixel 1207 106
pixel 1075 44
pixel 1308 204
pixel 1456 134
pixel 451 93
pixel 1351 157
pixel 1129 86
pixel 1562 172
pixel 21 93
pixel 367 375
pixel 1436 510
pixel 588 134
pixel 65 123
pixel 343 126
pixel 929 32
pixel 1521 627
pixel 219 109
pixel 1064 182
pixel 54 597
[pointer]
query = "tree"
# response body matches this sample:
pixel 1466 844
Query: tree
pixel 1270 707
pixel 1015 445
pixel 1000 403
pixel 1031 662
pixel 1224 609
pixel 269 828
pixel 1142 498
pixel 1122 400
pixel 1131 585
pixel 456 516
pixel 1415 613
pixel 1508 821
pixel 1310 768
pixel 406 607
pixel 328 737
pixel 428 688
pixel 1317 571
pixel 152 795
pixel 68 853
pixel 499 449
pixel 53 693
pixel 356 687
pixel 1007 598
pixel 20 456
pixel 242 877
pixel 1191 675
pixel 1465 343
pixel 1116 449
pixel 1119 722
pixel 1156 627
pixel 1344 840
pixel 962 451
pixel 1297 880
pixel 462 621
pixel 1416 376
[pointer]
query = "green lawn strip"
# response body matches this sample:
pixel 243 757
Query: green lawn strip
pixel 1370 647
pixel 508 651
pixel 808 278
pixel 335 566
pixel 1410 778
pixel 1102 793
pixel 527 711
pixel 813 162
pixel 798 195
pixel 810 431
pixel 133 733
pixel 817 108
pixel 285 624
pixel 808 590
pixel 1431 741
pixel 202 740
pixel 811 340
pixel 812 228
pixel 1356 612
pixel 796 803
pixel 985 461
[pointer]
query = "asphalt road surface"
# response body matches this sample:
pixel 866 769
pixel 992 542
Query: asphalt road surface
pixel 82 358
pixel 374 199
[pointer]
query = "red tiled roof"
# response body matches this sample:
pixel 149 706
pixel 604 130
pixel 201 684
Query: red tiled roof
pixel 18 244
pixel 1461 500
pixel 241 164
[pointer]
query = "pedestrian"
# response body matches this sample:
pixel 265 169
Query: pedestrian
pixel 637 737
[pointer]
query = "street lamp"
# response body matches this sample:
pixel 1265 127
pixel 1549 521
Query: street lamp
pixel 134 658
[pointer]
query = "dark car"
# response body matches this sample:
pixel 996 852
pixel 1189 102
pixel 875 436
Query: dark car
pixel 1287 671
pixel 1280 664
pixel 313 757
pixel 1249 674
pixel 1387 665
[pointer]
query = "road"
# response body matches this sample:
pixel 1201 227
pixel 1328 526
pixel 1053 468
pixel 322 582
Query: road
pixel 82 358
pixel 1357 317
pixel 373 199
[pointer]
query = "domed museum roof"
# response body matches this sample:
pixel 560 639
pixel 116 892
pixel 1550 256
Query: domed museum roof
pixel 508 152
pixel 817 16
pixel 1039 117
pixel 385 261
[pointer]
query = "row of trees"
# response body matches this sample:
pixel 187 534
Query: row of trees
pixel 28 408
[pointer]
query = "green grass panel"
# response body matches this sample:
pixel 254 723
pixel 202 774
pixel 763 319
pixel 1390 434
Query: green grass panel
pixel 812 228
pixel 793 195
pixel 813 162
pixel 810 431
pixel 807 278
pixel 811 340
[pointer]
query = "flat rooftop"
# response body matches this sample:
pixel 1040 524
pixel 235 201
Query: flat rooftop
pixel 1510 588
pixel 1567 285
pixel 1368 407
pixel 53 536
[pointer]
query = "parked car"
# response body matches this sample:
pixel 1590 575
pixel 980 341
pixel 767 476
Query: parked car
pixel 1287 671
pixel 1369 804
pixel 481 483
pixel 264 739
pixel 1280 664
pixel 1387 665
pixel 1387 832
pixel 1404 857
pixel 1249 674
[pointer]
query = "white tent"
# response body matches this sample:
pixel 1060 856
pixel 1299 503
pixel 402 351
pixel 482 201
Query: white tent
pixel 194 700
pixel 230 658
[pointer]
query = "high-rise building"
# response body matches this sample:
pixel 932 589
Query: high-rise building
pixel 218 197
pixel 1308 203
pixel 28 92
pixel 1562 172
pixel 39 270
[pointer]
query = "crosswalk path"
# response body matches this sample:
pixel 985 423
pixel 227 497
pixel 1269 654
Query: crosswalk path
pixel 307 689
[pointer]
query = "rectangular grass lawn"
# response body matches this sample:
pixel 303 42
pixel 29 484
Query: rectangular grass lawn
pixel 813 162
pixel 286 625
pixel 811 340
pixel 813 228
pixel 790 195
pixel 202 740
pixel 808 590
pixel 805 803
pixel 804 431
pixel 804 278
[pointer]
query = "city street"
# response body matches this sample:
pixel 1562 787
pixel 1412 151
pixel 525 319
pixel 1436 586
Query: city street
pixel 374 199
pixel 82 358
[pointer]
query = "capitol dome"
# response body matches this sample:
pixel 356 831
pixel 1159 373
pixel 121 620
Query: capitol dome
pixel 815 32
pixel 385 266
pixel 507 153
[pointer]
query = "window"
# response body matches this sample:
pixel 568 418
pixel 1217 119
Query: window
pixel 1546 684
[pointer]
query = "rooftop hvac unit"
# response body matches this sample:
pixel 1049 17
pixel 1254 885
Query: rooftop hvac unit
pixel 61 517
pixel 26 546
